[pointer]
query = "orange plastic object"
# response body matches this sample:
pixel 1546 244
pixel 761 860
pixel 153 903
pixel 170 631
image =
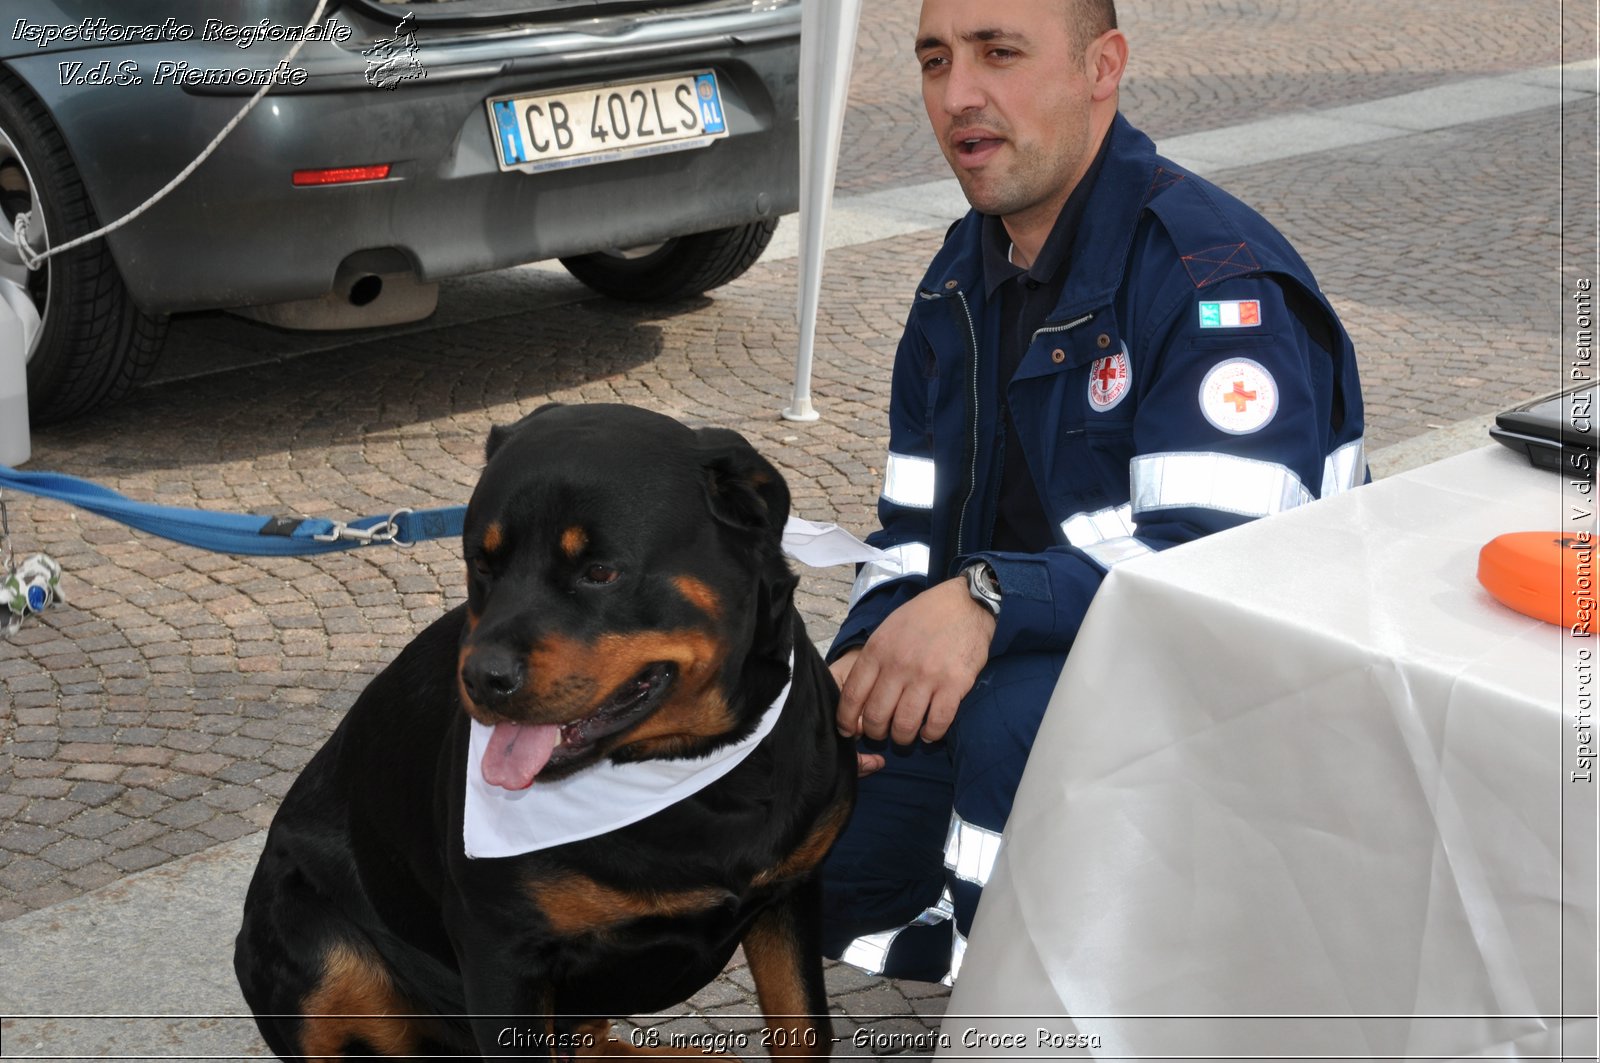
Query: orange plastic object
pixel 1541 573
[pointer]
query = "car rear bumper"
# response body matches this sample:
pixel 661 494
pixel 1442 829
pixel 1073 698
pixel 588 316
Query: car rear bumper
pixel 239 233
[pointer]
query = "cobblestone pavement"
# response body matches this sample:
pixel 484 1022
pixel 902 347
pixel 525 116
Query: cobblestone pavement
pixel 170 705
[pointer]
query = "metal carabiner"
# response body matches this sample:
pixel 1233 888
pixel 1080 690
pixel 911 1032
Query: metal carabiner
pixel 387 532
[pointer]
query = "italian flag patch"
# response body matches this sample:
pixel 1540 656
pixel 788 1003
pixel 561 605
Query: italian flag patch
pixel 1231 313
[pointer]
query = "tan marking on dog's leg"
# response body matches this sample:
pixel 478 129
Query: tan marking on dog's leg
pixel 775 964
pixel 575 904
pixel 356 1000
pixel 809 853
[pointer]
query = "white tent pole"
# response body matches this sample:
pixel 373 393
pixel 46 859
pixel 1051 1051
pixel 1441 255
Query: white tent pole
pixel 827 46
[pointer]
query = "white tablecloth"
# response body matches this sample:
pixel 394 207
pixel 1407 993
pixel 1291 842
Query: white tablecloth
pixel 1304 790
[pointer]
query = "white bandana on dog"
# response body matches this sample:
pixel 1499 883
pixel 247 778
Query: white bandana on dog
pixel 588 803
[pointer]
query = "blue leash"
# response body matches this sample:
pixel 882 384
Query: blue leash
pixel 240 533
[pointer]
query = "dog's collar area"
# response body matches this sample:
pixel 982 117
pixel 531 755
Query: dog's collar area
pixel 592 801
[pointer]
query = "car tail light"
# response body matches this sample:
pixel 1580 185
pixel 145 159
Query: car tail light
pixel 341 175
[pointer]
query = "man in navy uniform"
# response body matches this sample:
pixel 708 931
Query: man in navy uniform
pixel 1109 356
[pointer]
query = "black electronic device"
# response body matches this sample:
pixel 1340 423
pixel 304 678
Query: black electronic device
pixel 1556 432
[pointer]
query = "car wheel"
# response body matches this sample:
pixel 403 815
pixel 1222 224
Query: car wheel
pixel 93 344
pixel 677 269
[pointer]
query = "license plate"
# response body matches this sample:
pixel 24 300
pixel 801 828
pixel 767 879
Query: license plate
pixel 602 123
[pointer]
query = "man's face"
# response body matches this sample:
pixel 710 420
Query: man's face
pixel 1008 90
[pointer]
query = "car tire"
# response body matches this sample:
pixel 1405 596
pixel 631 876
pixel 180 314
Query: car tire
pixel 93 344
pixel 682 267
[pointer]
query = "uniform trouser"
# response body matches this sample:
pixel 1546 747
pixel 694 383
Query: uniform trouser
pixel 902 882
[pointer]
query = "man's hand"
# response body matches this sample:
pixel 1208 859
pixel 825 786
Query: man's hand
pixel 911 675
pixel 866 763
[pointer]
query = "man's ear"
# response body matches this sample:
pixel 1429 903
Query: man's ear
pixel 1108 61
pixel 501 433
pixel 743 489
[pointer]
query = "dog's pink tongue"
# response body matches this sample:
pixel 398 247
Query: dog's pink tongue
pixel 517 753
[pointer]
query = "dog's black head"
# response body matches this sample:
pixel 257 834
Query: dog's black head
pixel 627 592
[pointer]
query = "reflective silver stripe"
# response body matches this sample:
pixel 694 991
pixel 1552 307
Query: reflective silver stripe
pixel 1114 552
pixel 871 951
pixel 1086 529
pixel 1344 468
pixel 958 952
pixel 1223 482
pixel 908 481
pixel 969 851
pixel 941 910
pixel 907 559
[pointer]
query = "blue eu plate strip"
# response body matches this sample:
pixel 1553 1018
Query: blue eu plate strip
pixel 510 133
pixel 712 119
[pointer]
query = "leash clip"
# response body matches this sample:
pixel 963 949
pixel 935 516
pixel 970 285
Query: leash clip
pixel 387 532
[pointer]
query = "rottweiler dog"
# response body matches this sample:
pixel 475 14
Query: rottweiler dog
pixel 629 610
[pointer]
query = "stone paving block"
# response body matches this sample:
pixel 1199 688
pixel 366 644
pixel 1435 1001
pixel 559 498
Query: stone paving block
pixel 134 833
pixel 92 876
pixel 138 858
pixel 877 1002
pixel 25 874
pixel 95 823
pixel 52 891
pixel 28 838
pixel 181 786
pixel 94 794
pixel 721 994
pixel 184 842
pixel 234 798
pixel 843 978
pixel 185 814
pixel 39 778
pixel 72 853
pixel 228 826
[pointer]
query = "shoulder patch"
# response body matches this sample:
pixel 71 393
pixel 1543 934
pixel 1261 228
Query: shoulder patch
pixel 1231 313
pixel 1239 396
pixel 1219 263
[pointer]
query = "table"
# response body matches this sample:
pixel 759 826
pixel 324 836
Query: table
pixel 1303 790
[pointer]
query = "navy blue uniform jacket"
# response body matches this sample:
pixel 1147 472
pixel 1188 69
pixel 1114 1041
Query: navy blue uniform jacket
pixel 1191 377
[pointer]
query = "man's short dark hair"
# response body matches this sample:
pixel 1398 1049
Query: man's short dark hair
pixel 1091 18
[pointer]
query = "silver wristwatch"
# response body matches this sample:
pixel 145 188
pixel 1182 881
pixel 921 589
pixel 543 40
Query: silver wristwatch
pixel 983 587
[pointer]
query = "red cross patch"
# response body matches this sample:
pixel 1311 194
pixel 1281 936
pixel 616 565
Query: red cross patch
pixel 1109 379
pixel 1239 396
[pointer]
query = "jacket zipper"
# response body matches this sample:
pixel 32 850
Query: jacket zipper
pixel 972 453
pixel 1068 327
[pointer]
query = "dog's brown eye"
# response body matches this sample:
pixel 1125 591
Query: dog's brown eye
pixel 480 568
pixel 601 574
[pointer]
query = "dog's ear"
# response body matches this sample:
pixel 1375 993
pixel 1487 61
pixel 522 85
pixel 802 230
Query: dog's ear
pixel 500 433
pixel 743 489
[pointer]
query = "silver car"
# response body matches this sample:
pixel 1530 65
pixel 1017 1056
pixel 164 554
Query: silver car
pixel 649 146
